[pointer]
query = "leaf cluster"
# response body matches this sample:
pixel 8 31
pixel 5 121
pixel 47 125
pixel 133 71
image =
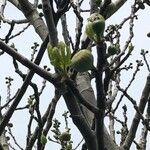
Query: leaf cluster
pixel 60 56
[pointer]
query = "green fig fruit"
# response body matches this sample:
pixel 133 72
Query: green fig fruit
pixel 69 146
pixel 98 2
pixel 98 27
pixel 95 27
pixel 65 136
pixel 89 31
pixel 43 139
pixel 112 50
pixel 82 61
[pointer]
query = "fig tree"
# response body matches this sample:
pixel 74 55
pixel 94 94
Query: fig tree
pixel 60 56
pixel 65 136
pixel 82 61
pixel 112 49
pixel 95 27
pixel 43 139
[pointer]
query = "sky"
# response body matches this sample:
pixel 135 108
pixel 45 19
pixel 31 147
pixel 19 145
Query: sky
pixel 24 43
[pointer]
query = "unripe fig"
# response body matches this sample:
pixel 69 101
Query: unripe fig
pixel 99 26
pixel 112 50
pixel 82 61
pixel 98 2
pixel 95 27
pixel 65 136
pixel 89 31
pixel 69 146
pixel 43 139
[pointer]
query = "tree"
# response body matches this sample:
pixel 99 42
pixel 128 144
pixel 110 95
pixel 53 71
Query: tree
pixel 112 62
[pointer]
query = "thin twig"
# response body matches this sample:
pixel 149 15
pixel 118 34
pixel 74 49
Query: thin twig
pixel 79 24
pixel 20 32
pixel 134 104
pixel 14 139
pixel 78 144
pixel 139 63
pixel 132 131
pixel 23 88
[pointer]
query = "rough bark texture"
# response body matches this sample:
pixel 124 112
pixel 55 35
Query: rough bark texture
pixel 3 139
pixel 33 16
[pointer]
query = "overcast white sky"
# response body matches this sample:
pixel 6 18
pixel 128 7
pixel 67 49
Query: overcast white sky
pixel 25 41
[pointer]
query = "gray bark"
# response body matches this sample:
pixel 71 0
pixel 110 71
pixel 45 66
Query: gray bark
pixel 84 86
pixel 3 139
pixel 83 80
pixel 135 123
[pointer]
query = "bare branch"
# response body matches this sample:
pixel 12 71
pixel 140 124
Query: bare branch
pixel 65 31
pixel 23 88
pixel 131 135
pixel 9 33
pixel 2 7
pixel 19 33
pixel 79 119
pixel 113 7
pixel 101 97
pixel 143 53
pixel 15 3
pixel 14 139
pixel 51 113
pixel 144 132
pixel 76 93
pixel 50 22
pixel 139 64
pixel 134 104
pixel 26 62
pixel 33 16
pixel 79 24
pixel 21 21
pixel 40 123
pixel 46 117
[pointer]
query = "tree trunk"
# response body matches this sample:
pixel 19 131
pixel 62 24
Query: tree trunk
pixel 84 86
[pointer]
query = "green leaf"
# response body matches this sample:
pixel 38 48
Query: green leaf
pixel 62 46
pixel 68 55
pixel 60 56
pixel 49 50
pixel 56 58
